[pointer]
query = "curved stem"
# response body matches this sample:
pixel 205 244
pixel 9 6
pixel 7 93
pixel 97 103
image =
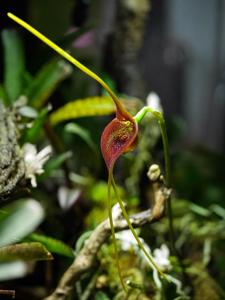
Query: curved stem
pixel 140 244
pixel 113 230
pixel 162 125
pixel 161 121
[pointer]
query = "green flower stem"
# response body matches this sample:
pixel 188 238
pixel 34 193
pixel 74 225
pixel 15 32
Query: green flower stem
pixel 140 244
pixel 113 231
pixel 161 121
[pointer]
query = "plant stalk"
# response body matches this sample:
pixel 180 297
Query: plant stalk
pixel 110 180
pixel 161 121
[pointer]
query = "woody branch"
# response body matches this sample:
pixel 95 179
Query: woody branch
pixel 86 258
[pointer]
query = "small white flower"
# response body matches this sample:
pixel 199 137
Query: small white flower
pixel 161 257
pixel 154 102
pixel 34 161
pixel 128 241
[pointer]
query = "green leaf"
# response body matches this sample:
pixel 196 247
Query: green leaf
pixel 99 191
pixel 14 65
pixel 81 240
pixel 92 106
pixel 101 296
pixel 110 82
pixel 200 210
pixel 53 245
pixel 46 81
pixel 55 162
pixel 82 133
pixel 81 180
pixel 218 210
pixel 3 96
pixel 19 219
pixel 33 133
pixel 24 251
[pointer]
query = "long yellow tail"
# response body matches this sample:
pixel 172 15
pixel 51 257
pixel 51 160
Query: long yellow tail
pixel 68 57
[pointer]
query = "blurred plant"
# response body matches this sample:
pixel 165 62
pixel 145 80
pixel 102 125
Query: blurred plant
pixel 21 123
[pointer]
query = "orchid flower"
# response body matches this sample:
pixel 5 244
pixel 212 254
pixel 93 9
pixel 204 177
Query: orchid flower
pixel 118 137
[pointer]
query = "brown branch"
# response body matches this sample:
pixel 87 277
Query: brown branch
pixel 86 258
pixel 10 293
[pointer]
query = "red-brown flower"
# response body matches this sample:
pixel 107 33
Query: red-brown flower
pixel 118 137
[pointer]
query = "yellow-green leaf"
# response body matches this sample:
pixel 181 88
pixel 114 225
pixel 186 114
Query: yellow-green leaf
pixel 92 106
pixel 14 65
pixel 24 251
pixel 46 80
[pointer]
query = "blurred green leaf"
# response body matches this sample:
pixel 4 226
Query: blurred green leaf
pixel 200 210
pixel 82 133
pixel 53 245
pixel 101 296
pixel 110 82
pixel 80 180
pixel 19 219
pixel 31 134
pixel 92 106
pixel 3 96
pixel 24 251
pixel 219 210
pixel 81 240
pixel 99 192
pixel 14 65
pixel 12 270
pixel 46 80
pixel 55 162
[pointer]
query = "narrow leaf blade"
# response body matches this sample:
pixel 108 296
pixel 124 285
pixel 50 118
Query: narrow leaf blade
pixel 14 64
pixel 53 245
pixel 24 251
pixel 32 133
pixel 82 133
pixel 46 81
